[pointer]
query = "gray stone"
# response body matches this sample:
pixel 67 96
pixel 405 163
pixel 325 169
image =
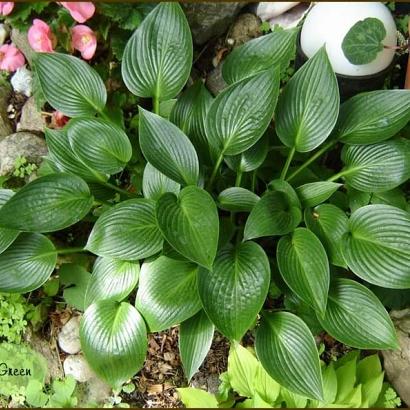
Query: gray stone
pixel 397 362
pixel 96 391
pixel 246 27
pixel 31 118
pixel 21 144
pixel 77 366
pixel 21 42
pixel 209 20
pixel 69 336
pixel 5 126
pixel 215 81
pixel 22 81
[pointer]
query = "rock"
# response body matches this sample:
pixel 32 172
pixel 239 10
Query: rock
pixel 77 366
pixel 209 20
pixel 5 126
pixel 245 28
pixel 31 118
pixel 20 40
pixel 209 382
pixel 96 391
pixel 20 144
pixel 215 81
pixel 22 81
pixel 267 9
pixel 397 362
pixel 69 336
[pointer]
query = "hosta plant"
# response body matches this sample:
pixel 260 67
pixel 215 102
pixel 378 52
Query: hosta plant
pixel 234 198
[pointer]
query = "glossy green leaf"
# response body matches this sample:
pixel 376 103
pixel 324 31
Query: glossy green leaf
pixel 395 197
pixel 329 223
pixel 376 247
pixel 47 204
pixel 190 224
pixel 304 266
pixel 378 167
pixel 241 113
pixel 127 231
pixel 197 398
pixel 114 340
pixel 278 212
pixel 100 144
pixel 363 41
pixel 69 84
pixel 27 263
pixel 233 292
pixel 167 148
pixel 309 105
pixel 74 279
pixel 63 158
pixel 158 57
pixel 237 199
pixel 189 114
pixel 373 116
pixel 287 350
pixel 314 193
pixel 355 317
pixel 155 184
pixel 7 236
pixel 276 48
pixel 195 339
pixel 167 292
pixel 112 279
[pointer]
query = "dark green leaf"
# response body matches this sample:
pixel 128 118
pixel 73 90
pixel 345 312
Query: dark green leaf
pixel 237 199
pixel 234 291
pixel 127 231
pixel 195 339
pixel 356 317
pixel 158 57
pixel 7 236
pixel 75 280
pixel 47 204
pixel 395 197
pixel 314 193
pixel 167 293
pixel 287 351
pixel 190 224
pixel 155 184
pixel 309 105
pixel 70 85
pixel 113 340
pixel 27 263
pixel 167 148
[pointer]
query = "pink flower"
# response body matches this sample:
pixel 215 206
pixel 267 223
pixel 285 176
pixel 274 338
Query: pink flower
pixel 58 119
pixel 40 37
pixel 6 7
pixel 80 11
pixel 84 40
pixel 11 58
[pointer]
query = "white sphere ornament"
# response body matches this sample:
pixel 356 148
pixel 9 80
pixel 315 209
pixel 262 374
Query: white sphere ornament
pixel 328 23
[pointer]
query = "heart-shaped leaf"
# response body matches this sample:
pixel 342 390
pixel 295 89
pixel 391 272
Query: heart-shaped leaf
pixel 190 224
pixel 195 339
pixel 27 263
pixel 241 113
pixel 167 292
pixel 278 212
pixel 276 48
pixel 309 105
pixel 69 84
pixel 373 117
pixel 377 246
pixel 74 279
pixel 357 318
pixel 114 340
pixel 304 266
pixel 155 184
pixel 7 236
pixel 112 279
pixel 378 167
pixel 158 57
pixel 167 148
pixel 100 144
pixel 314 193
pixel 363 41
pixel 63 158
pixel 287 350
pixel 329 223
pixel 237 199
pixel 127 231
pixel 234 291
pixel 47 204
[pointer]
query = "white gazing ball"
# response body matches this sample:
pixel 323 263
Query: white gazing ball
pixel 328 23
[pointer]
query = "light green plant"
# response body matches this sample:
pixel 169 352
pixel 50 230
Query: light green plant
pixel 23 168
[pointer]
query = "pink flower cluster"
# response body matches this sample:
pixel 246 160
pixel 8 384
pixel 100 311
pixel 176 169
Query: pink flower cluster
pixel 6 7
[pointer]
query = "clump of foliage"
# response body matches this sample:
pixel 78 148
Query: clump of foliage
pixel 348 382
pixel 227 201
pixel 23 168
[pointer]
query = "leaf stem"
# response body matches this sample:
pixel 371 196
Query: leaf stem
pixel 287 163
pixel 65 251
pixel 313 158
pixel 238 179
pixel 215 170
pixel 120 190
pixel 155 105
pixel 339 175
